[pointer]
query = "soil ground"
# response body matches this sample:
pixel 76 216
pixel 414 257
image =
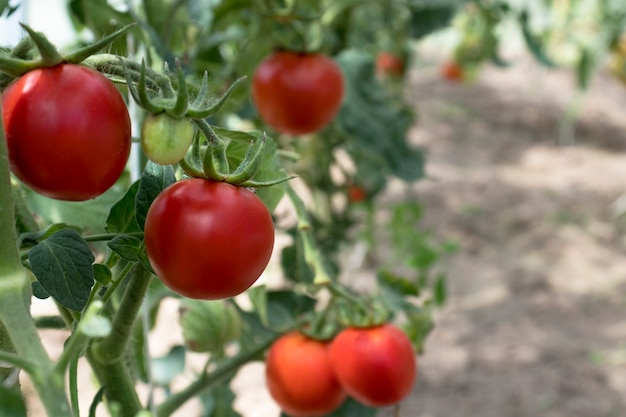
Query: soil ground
pixel 535 324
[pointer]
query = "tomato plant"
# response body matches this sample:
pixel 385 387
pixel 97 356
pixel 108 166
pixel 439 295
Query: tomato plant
pixel 375 365
pixel 67 131
pixel 297 93
pixel 207 239
pixel 300 378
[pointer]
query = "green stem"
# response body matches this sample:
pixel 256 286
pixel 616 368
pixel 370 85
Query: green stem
pixel 110 236
pixel 207 381
pixel 112 347
pixel 17 361
pixel 118 385
pixel 312 256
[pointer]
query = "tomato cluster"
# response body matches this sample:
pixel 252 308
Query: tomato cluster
pixel 68 132
pixel 297 93
pixel 375 366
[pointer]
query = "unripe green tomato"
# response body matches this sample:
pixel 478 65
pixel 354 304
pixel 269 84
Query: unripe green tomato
pixel 164 139
pixel 208 325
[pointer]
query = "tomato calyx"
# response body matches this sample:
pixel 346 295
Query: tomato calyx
pixel 179 102
pixel 210 160
pixel 22 58
pixel 358 310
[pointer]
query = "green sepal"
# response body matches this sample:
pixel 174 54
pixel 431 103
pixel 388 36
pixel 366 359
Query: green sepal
pixel 251 161
pixel 179 109
pixel 81 54
pixel 197 109
pixel 50 56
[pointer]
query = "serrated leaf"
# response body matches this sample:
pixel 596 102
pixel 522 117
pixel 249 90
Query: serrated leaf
pixel 218 402
pixel 63 265
pixel 121 218
pixel 11 403
pixel 30 239
pixel 154 179
pixel 127 247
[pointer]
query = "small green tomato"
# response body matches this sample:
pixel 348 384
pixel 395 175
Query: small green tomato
pixel 164 139
pixel 208 325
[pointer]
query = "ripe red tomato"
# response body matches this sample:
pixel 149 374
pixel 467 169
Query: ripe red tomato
pixel 388 63
pixel 208 240
pixel 300 378
pixel 297 93
pixel 452 71
pixel 375 365
pixel 356 194
pixel 67 131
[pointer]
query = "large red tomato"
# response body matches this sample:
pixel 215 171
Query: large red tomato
pixel 300 378
pixel 375 365
pixel 67 131
pixel 297 93
pixel 208 240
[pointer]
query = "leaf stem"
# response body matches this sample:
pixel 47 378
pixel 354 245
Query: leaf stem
pixel 208 380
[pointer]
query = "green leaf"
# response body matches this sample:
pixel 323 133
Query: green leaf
pixel 276 309
pixel 218 402
pixel 121 218
pixel 166 368
pixel 394 290
pixel 419 325
pixel 30 239
pixel 39 291
pixel 270 169
pixel 63 265
pixel 534 43
pixel 129 248
pixel 11 403
pixel 427 17
pixel 441 290
pixel 376 123
pixel 154 179
pixel 351 408
pixel 102 274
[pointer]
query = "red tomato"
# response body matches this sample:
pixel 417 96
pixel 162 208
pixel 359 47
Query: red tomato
pixel 375 365
pixel 67 131
pixel 297 93
pixel 356 194
pixel 208 240
pixel 388 63
pixel 300 378
pixel 452 71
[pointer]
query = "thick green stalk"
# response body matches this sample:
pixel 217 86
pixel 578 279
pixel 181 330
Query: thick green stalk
pixel 112 347
pixel 14 296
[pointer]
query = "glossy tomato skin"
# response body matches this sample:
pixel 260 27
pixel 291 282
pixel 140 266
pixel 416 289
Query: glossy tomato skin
pixel 68 131
pixel 300 378
pixel 375 365
pixel 297 93
pixel 208 240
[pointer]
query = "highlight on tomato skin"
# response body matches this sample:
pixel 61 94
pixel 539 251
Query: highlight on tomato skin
pixel 300 378
pixel 208 240
pixel 375 365
pixel 67 130
pixel 297 93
